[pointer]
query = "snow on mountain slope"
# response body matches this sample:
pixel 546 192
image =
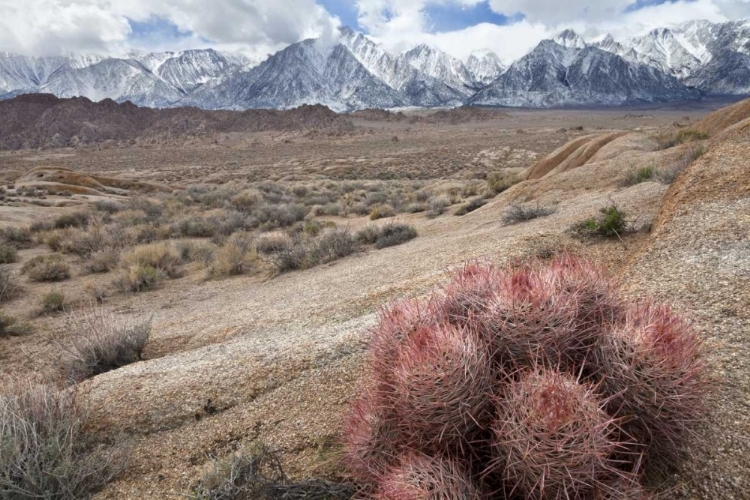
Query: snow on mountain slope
pixel 484 67
pixel 192 68
pixel 434 62
pixel 418 88
pixel 555 75
pixel 570 39
pixel 117 79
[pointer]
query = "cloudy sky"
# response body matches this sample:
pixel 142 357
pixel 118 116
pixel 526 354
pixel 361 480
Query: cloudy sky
pixel 260 27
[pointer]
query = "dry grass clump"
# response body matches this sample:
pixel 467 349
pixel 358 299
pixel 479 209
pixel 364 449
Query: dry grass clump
pixel 47 268
pixel 201 252
pixel 8 254
pixel 162 256
pixel 101 341
pixel 53 301
pixel 469 207
pixel 381 212
pixel 257 473
pixel 272 244
pixel 18 237
pixel 681 137
pixel 11 327
pixel 639 175
pixel 102 261
pixel 8 285
pixel 668 175
pixel 237 256
pixel 305 253
pixel 394 234
pixel 78 219
pixel 388 235
pixel 46 453
pixel 497 182
pixel 519 213
pixel 538 378
pixel 139 278
pixel 438 204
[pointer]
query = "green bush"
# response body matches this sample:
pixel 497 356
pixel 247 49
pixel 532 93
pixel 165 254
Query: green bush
pixel 611 223
pixel 643 174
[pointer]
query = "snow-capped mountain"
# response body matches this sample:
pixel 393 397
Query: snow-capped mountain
pixel 570 40
pixel 434 62
pixel 708 56
pixel 117 79
pixel 355 72
pixel 484 66
pixel 558 75
pixel 417 88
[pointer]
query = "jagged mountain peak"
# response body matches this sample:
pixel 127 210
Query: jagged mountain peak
pixel 570 39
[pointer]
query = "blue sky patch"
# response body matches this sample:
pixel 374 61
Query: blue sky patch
pixel 452 17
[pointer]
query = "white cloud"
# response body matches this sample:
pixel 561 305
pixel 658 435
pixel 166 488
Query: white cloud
pixel 259 27
pixel 59 26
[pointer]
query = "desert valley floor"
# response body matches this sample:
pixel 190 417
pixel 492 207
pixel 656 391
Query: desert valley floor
pixel 277 356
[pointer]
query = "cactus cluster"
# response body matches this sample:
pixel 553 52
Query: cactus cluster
pixel 534 380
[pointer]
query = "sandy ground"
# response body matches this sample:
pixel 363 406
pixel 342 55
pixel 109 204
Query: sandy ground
pixel 279 358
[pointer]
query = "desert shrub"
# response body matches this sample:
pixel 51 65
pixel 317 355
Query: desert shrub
pixel 246 201
pixel 195 227
pixel 53 301
pixel 47 268
pixel 19 237
pixel 368 235
pixel 611 223
pixel 538 379
pixel 381 212
pixel 46 451
pixel 147 210
pixel 304 253
pixel 102 261
pixel 284 215
pixel 78 219
pixel 200 252
pixel 438 204
pixel 108 206
pixel 162 256
pixel 518 213
pixel 11 327
pixel 42 225
pixel 643 174
pixel 257 473
pixel 237 256
pixel 681 137
pixel 669 174
pixel 470 206
pixel 101 341
pixel 415 208
pixel 8 254
pixel 497 182
pixel 139 277
pixel 394 234
pixel 8 285
pixel 271 244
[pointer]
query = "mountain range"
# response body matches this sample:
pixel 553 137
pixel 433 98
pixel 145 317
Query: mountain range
pixel 668 64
